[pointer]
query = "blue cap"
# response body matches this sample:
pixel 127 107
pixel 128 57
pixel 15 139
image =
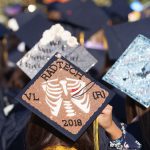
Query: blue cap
pixel 31 31
pixel 120 36
pixel 118 10
pixel 86 15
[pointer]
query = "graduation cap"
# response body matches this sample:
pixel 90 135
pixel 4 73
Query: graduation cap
pixel 65 97
pixel 118 10
pixel 100 55
pixel 27 17
pixel 3 30
pixel 14 56
pixel 84 14
pixel 131 72
pixel 120 36
pixel 75 30
pixel 56 39
pixel 32 28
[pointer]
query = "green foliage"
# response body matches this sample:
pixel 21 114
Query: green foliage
pixel 142 1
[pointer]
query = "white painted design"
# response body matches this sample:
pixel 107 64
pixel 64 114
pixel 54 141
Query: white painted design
pixel 75 96
pixel 57 32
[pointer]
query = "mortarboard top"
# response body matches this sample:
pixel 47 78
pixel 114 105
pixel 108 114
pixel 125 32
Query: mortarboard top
pixel 31 31
pixel 84 14
pixel 26 16
pixel 120 36
pixel 100 55
pixel 75 30
pixel 131 72
pixel 15 55
pixel 65 97
pixel 53 40
pixel 3 30
pixel 119 9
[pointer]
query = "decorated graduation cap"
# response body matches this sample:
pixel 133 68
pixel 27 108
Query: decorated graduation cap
pixel 131 72
pixel 33 26
pixel 120 36
pixel 56 39
pixel 65 97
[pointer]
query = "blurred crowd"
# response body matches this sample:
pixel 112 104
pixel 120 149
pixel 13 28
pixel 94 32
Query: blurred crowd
pixel 104 27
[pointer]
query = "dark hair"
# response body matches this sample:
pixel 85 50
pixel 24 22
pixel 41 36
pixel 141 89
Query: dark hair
pixel 134 109
pixel 40 135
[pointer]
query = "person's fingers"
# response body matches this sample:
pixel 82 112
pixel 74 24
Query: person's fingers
pixel 100 117
pixel 107 110
pixel 109 107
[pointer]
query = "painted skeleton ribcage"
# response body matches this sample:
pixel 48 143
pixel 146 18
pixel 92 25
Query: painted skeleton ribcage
pixel 54 90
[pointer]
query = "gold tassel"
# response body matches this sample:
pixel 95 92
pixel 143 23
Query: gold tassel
pixel 5 52
pixel 81 38
pixel 96 134
pixel 105 3
pixel 59 147
pixel 95 123
pixel 105 43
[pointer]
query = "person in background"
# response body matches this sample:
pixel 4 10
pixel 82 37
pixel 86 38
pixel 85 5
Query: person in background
pixel 138 119
pixel 40 137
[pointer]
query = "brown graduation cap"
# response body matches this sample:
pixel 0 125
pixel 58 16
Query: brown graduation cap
pixel 65 97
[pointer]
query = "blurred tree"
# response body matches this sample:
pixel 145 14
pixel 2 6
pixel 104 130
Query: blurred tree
pixel 142 1
pixel 3 3
pixel 103 2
